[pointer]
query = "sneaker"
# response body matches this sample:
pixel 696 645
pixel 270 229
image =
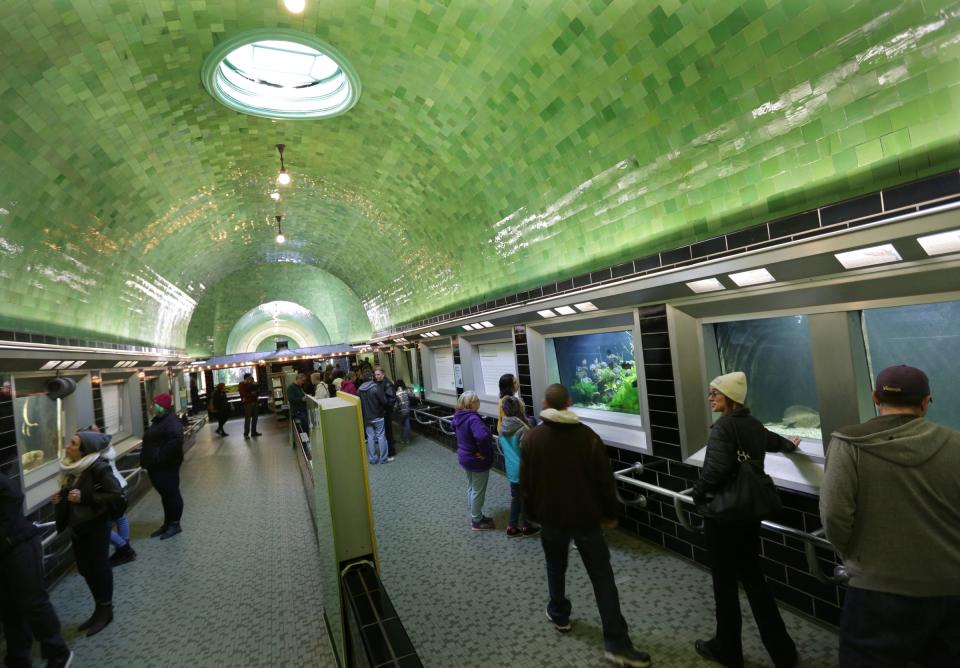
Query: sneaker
pixel 530 530
pixel 162 530
pixel 390 459
pixel 631 657
pixel 485 524
pixel 256 433
pixel 705 649
pixel 513 532
pixel 62 661
pixel 122 555
pixel 562 627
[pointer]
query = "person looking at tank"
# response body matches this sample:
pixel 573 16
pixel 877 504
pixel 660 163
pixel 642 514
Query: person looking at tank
pixel 734 546
pixel 509 386
pixel 220 407
pixel 373 406
pixel 161 454
pixel 25 608
pixel 297 400
pixel 475 456
pixel 404 409
pixel 88 499
pixel 568 487
pixel 250 398
pixel 512 429
pixel 123 552
pixel 890 504
pixel 390 393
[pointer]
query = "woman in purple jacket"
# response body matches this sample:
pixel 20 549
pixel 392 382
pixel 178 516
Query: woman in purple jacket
pixel 475 453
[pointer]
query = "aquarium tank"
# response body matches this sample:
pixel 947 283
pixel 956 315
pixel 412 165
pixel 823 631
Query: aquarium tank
pixel 41 422
pixel 926 336
pixel 600 370
pixel 776 357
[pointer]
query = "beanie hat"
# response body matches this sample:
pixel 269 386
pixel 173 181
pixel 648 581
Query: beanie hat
pixel 899 382
pixel 164 400
pixel 732 385
pixel 93 441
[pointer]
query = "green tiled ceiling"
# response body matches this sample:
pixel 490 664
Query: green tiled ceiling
pixel 225 313
pixel 496 145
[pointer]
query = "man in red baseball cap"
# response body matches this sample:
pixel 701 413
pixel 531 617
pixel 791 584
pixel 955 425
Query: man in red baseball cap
pixel 890 504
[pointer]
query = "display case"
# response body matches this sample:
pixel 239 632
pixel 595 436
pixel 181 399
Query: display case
pixel 121 409
pixel 594 356
pixel 438 369
pixel 484 357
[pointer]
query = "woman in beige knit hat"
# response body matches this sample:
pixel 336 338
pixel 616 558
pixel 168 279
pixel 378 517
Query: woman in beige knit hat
pixel 734 546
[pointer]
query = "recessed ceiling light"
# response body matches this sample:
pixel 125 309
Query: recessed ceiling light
pixel 77 365
pixel 564 310
pixel 586 306
pixel 547 313
pixel 50 364
pixel 752 277
pixel 295 6
pixel 867 257
pixel 705 285
pixel 487 323
pixel 939 244
pixel 469 328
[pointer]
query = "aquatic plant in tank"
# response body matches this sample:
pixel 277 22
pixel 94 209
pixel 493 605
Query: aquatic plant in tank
pixel 599 369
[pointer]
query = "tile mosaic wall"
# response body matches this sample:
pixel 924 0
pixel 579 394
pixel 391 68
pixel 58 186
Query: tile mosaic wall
pixel 494 148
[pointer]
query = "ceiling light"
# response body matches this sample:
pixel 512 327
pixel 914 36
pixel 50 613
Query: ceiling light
pixel 547 313
pixel 867 257
pixel 487 324
pixel 706 285
pixel 275 196
pixel 295 6
pixel 938 244
pixel 752 277
pixel 280 237
pixel 469 328
pixel 50 364
pixel 283 178
pixel 564 310
pixel 586 306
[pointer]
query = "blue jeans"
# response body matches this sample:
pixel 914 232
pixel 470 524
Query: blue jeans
pixel 407 435
pixel 476 493
pixel 121 536
pixel 516 504
pixel 376 434
pixel 596 559
pixel 878 630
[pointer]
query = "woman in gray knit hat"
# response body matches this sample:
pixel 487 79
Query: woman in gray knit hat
pixel 734 546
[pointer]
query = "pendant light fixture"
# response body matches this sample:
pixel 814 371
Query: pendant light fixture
pixel 283 178
pixel 280 237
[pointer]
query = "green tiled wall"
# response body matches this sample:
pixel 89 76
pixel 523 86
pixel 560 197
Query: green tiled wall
pixel 223 314
pixel 496 145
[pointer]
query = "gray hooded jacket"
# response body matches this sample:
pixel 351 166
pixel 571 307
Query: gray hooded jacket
pixel 890 503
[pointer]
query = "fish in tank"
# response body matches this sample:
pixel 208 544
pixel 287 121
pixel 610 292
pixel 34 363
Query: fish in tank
pixel 600 370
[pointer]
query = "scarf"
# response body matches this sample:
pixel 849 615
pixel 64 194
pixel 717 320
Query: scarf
pixel 70 471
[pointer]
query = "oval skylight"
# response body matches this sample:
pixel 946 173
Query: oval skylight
pixel 281 74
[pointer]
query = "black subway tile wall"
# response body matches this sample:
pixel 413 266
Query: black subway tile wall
pixel 523 366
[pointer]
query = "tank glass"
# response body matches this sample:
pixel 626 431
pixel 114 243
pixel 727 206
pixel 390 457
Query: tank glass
pixel 599 370
pixel 775 355
pixel 926 336
pixel 231 377
pixel 42 423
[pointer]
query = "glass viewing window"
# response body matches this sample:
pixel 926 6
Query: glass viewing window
pixel 599 369
pixel 922 335
pixel 776 356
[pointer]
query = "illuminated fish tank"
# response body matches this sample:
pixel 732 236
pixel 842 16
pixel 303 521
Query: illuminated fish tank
pixel 599 369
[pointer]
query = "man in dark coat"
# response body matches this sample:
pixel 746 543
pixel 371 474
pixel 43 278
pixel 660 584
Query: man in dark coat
pixel 161 455
pixel 568 487
pixel 24 605
pixel 250 398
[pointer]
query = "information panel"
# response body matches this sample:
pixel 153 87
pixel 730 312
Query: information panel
pixel 443 366
pixel 496 359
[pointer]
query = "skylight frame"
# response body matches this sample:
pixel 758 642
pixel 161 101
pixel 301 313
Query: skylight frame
pixel 329 102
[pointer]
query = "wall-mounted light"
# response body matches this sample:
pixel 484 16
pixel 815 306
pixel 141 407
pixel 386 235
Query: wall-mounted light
pixel 280 237
pixel 283 178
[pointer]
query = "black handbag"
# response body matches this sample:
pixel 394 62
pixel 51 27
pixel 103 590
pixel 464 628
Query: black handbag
pixel 748 496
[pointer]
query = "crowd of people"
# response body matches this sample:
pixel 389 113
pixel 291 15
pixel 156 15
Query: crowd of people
pixel 890 504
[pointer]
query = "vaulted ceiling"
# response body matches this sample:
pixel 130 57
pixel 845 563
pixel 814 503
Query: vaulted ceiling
pixel 495 145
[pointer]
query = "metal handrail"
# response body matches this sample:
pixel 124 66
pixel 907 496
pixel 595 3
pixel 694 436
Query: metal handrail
pixel 811 541
pixel 417 412
pixel 445 420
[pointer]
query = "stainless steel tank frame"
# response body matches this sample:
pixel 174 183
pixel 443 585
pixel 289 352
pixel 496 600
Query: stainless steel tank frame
pixel 811 541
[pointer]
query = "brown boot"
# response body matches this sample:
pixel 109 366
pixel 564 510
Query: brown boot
pixel 102 617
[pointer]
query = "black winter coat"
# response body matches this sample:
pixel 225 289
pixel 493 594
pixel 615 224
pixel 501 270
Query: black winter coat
pixel 720 463
pixel 99 491
pixel 162 443
pixel 14 527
